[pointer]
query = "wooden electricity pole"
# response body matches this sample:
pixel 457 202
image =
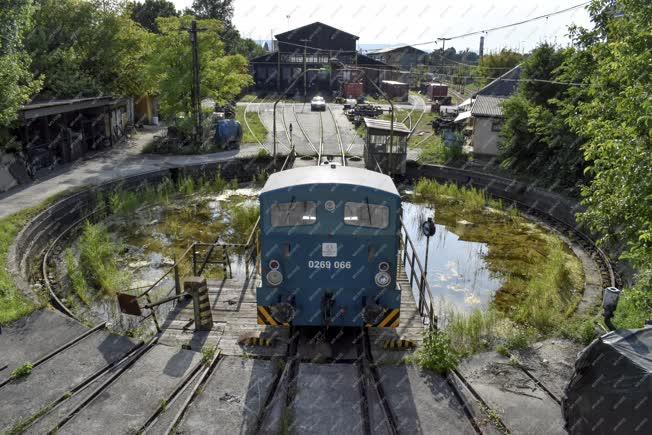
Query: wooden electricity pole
pixel 195 90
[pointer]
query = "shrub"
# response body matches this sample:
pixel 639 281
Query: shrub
pixel 436 353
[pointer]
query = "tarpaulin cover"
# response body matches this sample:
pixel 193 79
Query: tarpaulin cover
pixel 611 389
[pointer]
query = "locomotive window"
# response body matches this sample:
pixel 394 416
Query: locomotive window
pixel 294 213
pixel 363 214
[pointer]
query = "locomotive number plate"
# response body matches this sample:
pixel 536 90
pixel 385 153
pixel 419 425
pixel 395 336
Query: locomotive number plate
pixel 316 264
pixel 329 249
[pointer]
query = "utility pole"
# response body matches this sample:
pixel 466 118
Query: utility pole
pixel 443 49
pixel 195 91
pixel 305 84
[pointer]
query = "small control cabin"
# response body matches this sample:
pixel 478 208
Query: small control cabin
pixel 380 152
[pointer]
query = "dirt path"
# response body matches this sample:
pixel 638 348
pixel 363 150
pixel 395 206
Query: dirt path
pixel 123 160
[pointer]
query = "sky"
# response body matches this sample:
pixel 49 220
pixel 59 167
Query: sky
pixel 386 22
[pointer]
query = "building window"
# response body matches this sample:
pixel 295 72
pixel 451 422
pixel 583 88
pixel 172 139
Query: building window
pixel 496 124
pixel 294 213
pixel 363 214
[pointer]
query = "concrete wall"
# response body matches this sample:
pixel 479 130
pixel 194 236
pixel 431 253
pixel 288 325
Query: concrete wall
pixel 484 140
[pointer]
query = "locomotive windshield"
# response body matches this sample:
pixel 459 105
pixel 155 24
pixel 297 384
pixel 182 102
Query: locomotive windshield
pixel 363 214
pixel 294 213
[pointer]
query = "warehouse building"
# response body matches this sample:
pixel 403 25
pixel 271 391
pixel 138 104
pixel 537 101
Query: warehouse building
pixel 405 56
pixel 321 47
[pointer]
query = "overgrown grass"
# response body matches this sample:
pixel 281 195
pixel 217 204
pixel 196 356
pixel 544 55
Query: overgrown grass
pixel 635 305
pixel 243 219
pixel 76 277
pixel 542 281
pixel 13 303
pixel 98 260
pixel 257 127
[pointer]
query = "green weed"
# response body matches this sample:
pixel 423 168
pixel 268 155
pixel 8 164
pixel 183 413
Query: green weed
pixel 98 254
pixel 207 354
pixel 22 371
pixel 436 353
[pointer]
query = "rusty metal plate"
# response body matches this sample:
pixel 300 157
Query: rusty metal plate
pixel 129 304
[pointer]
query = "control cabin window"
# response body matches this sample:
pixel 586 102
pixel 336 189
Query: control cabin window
pixel 363 214
pixel 294 213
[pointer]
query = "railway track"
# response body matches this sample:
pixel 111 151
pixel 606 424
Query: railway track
pixel 338 135
pixel 305 135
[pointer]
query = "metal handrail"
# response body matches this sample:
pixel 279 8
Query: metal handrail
pixel 425 302
pixel 192 249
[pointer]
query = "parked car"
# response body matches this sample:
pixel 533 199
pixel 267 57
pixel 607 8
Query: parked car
pixel 317 104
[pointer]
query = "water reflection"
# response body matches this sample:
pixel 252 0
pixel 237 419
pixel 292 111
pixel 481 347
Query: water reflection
pixel 457 272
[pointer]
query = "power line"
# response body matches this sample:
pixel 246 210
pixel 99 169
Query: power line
pixel 506 26
pixel 475 32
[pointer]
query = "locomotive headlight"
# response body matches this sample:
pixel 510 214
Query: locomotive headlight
pixel 383 279
pixel 274 277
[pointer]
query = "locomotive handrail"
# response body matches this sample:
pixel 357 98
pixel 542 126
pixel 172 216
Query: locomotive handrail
pixel 426 308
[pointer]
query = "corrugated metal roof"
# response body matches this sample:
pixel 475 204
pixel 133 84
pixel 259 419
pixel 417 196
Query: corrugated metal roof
pixel 325 174
pixel 487 106
pixel 381 124
pixel 394 48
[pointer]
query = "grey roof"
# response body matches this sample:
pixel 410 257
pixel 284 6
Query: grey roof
pixel 503 86
pixel 487 106
pixel 326 174
pixel 315 24
pixel 395 48
pixel 381 124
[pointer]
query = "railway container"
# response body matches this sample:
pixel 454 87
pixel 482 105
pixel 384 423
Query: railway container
pixel 395 90
pixel 329 244
pixel 352 90
pixel 436 91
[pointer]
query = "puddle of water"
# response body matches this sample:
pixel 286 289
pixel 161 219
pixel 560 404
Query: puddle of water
pixel 457 273
pixel 152 236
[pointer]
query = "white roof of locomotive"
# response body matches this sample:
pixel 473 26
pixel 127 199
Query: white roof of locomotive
pixel 327 174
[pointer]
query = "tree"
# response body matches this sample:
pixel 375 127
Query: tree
pixel 222 10
pixel 17 83
pixel 88 49
pixel 494 65
pixel 146 13
pixel 537 139
pixel 616 120
pixel 222 77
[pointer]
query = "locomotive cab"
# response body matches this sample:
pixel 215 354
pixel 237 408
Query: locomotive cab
pixel 329 248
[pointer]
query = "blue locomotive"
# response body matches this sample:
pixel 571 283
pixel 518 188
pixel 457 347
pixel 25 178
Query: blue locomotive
pixel 329 248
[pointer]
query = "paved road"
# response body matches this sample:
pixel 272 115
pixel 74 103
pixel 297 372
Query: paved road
pixel 121 161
